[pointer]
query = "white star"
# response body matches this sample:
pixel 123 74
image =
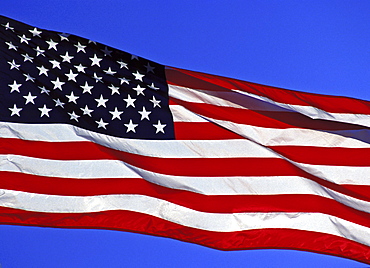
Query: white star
pixel 71 76
pixel 58 103
pixel 109 71
pixel 7 27
pixel 114 89
pixel 44 90
pixel 95 60
pixel 101 101
pixel 24 39
pixel 52 44
pixel 64 36
pixel 139 90
pixel 98 78
pixel 159 127
pixel 106 52
pixel 124 80
pixel 80 68
pixel 101 123
pixel 129 101
pixel 155 102
pixel 44 111
pixel 66 57
pixel 86 88
pixel 43 70
pixel 134 57
pixel 122 64
pixel 28 77
pixel 91 41
pixel 58 84
pixel 80 47
pixel 11 46
pixel 72 98
pixel 87 111
pixel 15 110
pixel 149 68
pixel 131 126
pixel 153 87
pixel 13 65
pixel 27 58
pixel 73 116
pixel 39 51
pixel 144 114
pixel 35 32
pixel 116 114
pixel 56 64
pixel 138 76
pixel 14 86
pixel 30 98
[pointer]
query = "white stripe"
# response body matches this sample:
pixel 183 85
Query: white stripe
pixel 293 136
pixel 181 114
pixel 222 98
pixel 338 174
pixel 82 169
pixel 40 132
pixel 217 222
pixel 217 98
pixel 261 135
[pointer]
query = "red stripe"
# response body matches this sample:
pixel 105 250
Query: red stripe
pixel 199 202
pixel 202 131
pixel 204 81
pixel 325 155
pixel 79 150
pixel 171 102
pixel 267 119
pixel 140 223
pixel 358 191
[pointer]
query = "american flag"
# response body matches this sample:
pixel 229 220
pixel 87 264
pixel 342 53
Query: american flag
pixel 93 137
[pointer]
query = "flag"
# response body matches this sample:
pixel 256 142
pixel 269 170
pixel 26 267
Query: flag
pixel 93 137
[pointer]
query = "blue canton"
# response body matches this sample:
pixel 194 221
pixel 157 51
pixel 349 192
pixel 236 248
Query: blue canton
pixel 50 77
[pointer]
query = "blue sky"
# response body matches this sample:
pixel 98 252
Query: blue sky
pixel 313 46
